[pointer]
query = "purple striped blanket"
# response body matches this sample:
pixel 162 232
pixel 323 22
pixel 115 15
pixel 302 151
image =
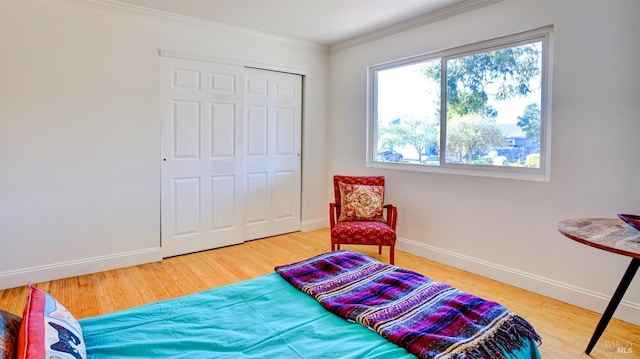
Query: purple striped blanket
pixel 428 318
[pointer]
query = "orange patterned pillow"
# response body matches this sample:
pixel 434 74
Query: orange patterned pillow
pixel 48 330
pixel 361 202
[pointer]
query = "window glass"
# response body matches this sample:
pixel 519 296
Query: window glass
pixel 408 113
pixel 480 106
pixel 493 107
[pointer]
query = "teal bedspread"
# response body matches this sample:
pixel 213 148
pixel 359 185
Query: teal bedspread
pixel 264 317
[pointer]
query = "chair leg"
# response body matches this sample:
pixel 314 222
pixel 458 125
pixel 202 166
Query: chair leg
pixel 380 249
pixel 392 254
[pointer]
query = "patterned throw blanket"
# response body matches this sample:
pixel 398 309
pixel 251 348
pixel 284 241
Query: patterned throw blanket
pixel 428 318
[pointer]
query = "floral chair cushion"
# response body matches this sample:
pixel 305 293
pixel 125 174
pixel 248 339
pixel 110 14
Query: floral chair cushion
pixel 366 232
pixel 361 202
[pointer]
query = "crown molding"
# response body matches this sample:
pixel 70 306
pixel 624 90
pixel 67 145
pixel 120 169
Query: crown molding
pixel 445 13
pixel 119 6
pixel 448 12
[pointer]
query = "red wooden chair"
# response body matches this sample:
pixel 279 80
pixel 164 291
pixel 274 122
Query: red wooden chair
pixel 358 214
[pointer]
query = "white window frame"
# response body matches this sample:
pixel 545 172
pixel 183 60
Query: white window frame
pixel 521 173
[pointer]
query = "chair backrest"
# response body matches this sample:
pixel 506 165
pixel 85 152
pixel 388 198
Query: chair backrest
pixel 364 180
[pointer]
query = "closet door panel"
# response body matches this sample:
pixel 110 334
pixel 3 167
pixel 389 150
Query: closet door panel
pixel 202 161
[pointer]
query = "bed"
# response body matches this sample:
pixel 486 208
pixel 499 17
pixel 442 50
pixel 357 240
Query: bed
pixel 298 311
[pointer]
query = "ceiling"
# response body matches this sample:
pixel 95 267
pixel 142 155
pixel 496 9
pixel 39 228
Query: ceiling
pixel 325 22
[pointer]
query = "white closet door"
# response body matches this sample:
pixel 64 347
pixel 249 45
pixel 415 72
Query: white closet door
pixel 202 171
pixel 273 120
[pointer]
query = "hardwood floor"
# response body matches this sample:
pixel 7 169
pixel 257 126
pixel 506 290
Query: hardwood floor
pixel 565 329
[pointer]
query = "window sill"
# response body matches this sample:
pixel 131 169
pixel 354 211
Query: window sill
pixel 515 173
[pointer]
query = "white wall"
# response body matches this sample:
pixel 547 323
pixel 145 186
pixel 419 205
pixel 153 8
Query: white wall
pixel 80 130
pixel 507 229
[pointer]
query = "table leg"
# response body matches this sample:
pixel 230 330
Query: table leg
pixel 613 303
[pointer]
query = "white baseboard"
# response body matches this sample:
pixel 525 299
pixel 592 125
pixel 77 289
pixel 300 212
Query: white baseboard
pixel 59 270
pixel 308 226
pixel 627 311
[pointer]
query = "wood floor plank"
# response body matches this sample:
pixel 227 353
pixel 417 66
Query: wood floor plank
pixel 565 329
